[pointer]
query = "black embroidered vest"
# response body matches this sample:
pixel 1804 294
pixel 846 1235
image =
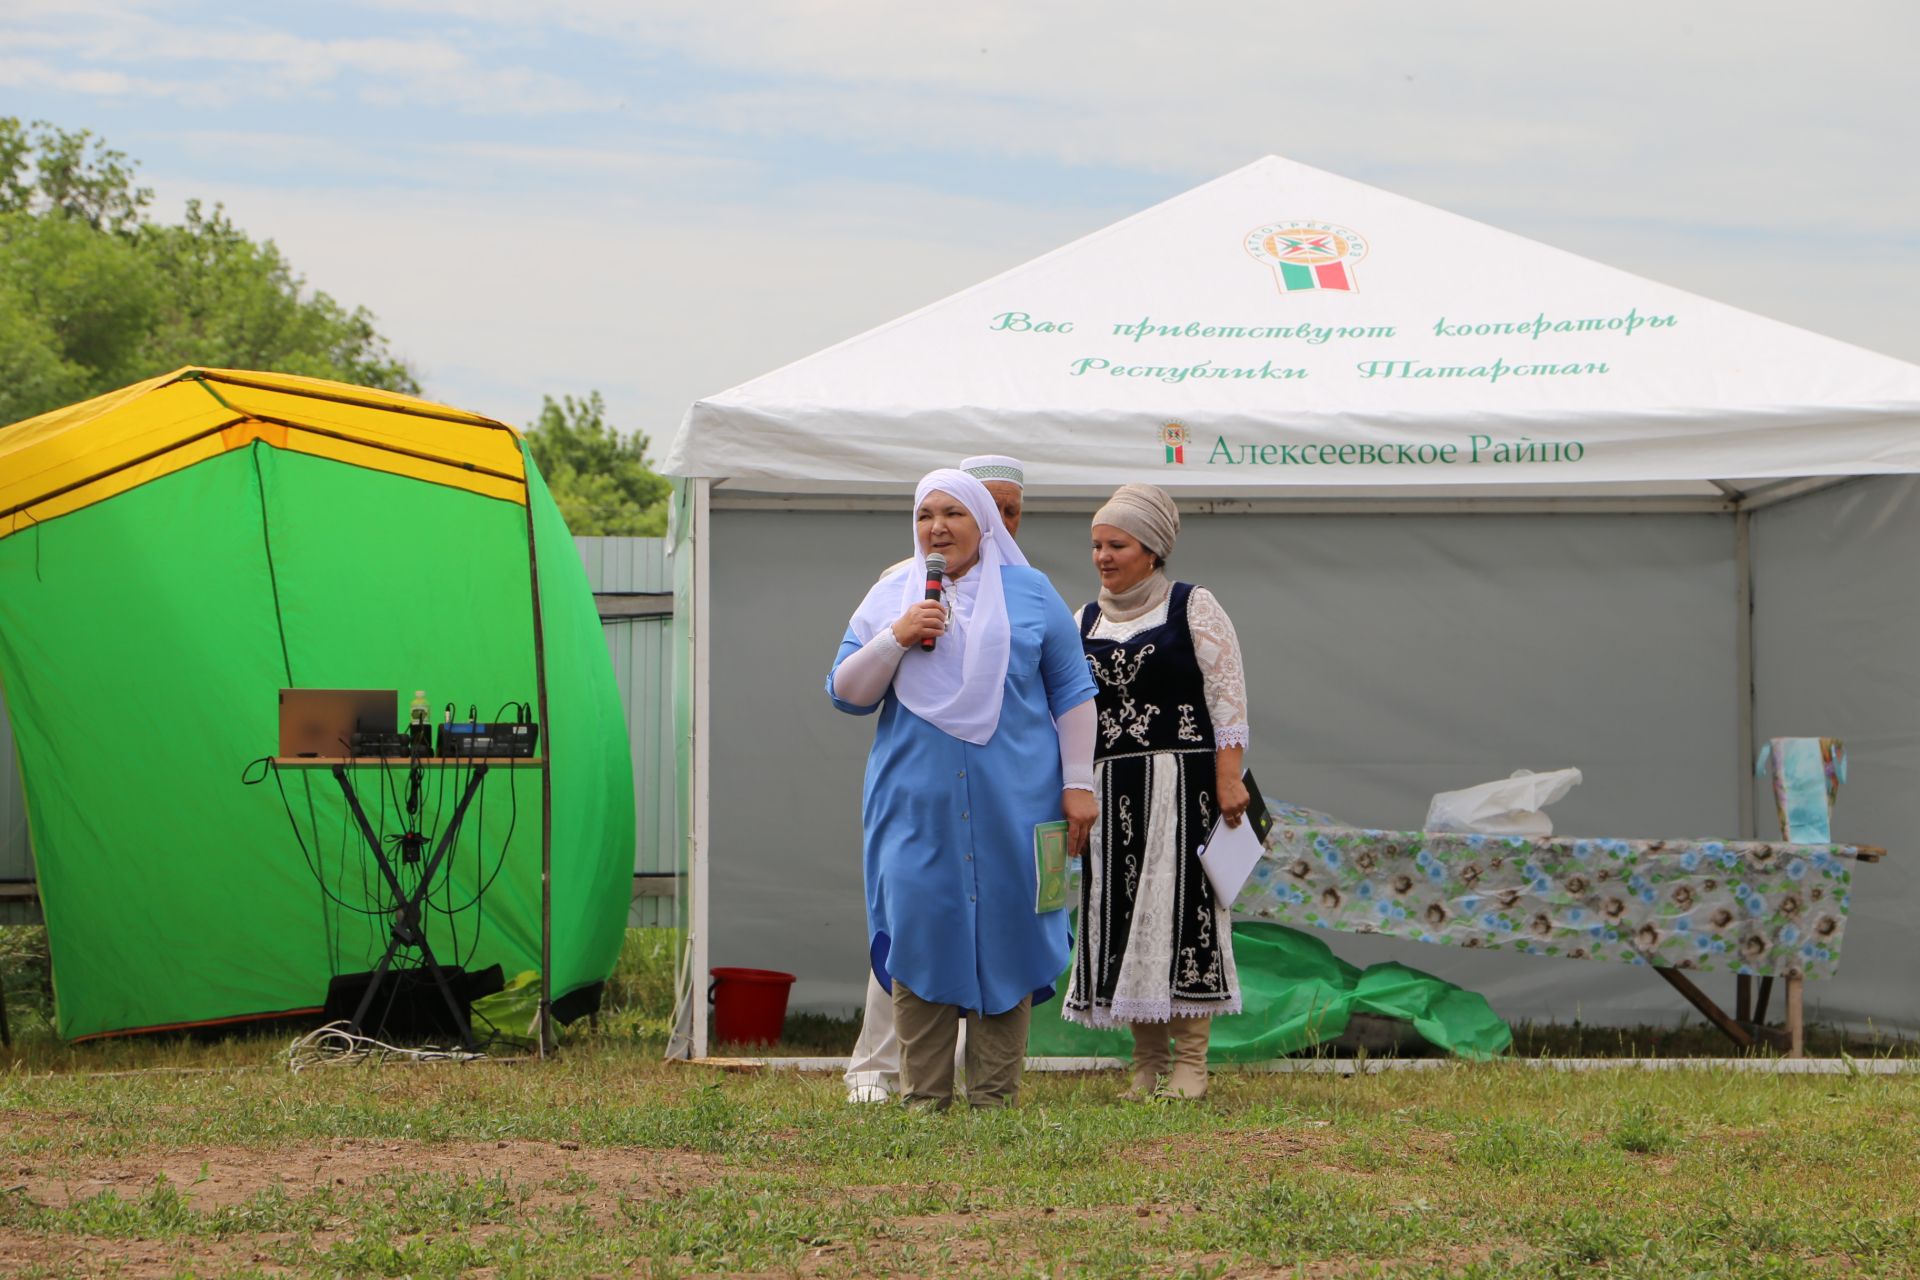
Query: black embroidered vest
pixel 1152 696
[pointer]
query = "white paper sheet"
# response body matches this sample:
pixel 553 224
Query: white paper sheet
pixel 1229 856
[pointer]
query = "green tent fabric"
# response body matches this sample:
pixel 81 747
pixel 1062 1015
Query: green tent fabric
pixel 143 638
pixel 1296 993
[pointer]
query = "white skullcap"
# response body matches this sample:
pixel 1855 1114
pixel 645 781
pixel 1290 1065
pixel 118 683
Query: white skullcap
pixel 995 466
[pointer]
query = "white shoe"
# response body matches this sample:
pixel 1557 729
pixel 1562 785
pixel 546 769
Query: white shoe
pixel 868 1093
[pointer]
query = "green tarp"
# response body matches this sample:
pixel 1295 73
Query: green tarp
pixel 1297 994
pixel 142 642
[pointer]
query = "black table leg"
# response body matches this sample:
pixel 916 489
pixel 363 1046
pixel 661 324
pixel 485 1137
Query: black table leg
pixel 406 928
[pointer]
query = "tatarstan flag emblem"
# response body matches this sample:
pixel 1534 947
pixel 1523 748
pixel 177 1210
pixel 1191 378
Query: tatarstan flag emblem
pixel 1174 435
pixel 1308 255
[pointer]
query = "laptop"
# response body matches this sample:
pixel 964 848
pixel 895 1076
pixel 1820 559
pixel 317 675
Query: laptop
pixel 321 722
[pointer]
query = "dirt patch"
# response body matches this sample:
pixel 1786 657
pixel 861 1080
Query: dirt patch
pixel 1261 1146
pixel 1442 1262
pixel 955 1245
pixel 139 1259
pixel 546 1173
pixel 21 1122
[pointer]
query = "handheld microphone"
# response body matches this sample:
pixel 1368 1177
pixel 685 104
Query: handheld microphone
pixel 936 570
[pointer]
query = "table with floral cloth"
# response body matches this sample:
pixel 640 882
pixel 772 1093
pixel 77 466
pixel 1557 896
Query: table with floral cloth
pixel 1745 907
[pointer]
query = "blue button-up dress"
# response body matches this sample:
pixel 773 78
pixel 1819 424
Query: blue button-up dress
pixel 949 826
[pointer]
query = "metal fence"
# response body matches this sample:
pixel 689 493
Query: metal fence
pixel 633 586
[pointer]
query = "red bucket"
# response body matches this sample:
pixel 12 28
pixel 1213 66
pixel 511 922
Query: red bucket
pixel 749 1005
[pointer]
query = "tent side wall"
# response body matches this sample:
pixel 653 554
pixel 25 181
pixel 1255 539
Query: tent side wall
pixel 142 840
pixel 1836 624
pixel 641 657
pixel 120 825
pixel 1388 657
pixel 590 763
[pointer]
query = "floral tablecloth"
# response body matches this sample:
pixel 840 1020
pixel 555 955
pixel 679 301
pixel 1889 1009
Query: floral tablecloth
pixel 1731 906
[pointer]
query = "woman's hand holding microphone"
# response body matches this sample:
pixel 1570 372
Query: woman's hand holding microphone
pixel 924 621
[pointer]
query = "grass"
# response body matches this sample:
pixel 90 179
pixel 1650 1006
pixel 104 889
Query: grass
pixel 607 1160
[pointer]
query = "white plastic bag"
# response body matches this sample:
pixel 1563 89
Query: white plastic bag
pixel 1509 807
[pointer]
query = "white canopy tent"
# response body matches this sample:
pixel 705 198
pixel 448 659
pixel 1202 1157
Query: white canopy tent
pixel 1474 503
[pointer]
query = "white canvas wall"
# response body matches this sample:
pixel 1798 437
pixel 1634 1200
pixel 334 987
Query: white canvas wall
pixel 1388 657
pixel 1837 635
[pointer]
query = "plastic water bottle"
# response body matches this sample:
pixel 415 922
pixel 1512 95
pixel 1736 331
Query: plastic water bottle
pixel 420 722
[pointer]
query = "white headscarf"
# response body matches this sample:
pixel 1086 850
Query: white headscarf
pixel 959 686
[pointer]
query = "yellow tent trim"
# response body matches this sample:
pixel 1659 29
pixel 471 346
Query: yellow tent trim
pixel 63 461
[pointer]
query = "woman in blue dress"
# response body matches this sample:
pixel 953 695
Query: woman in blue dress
pixel 966 761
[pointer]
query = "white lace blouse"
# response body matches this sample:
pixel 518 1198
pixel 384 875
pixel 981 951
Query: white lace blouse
pixel 1218 649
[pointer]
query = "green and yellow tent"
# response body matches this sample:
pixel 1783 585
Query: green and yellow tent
pixel 173 554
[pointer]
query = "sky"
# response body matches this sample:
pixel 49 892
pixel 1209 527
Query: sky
pixel 662 200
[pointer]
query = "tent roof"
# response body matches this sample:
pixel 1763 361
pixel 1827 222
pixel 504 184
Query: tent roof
pixel 73 457
pixel 1282 328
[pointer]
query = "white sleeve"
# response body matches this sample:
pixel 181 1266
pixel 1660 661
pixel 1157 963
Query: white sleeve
pixel 1076 729
pixel 1218 649
pixel 863 678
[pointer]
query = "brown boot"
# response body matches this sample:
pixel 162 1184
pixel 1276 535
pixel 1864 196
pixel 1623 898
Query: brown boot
pixel 1189 1077
pixel 1150 1057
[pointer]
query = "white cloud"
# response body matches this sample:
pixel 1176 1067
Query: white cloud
pixel 29 73
pixel 382 70
pixel 598 161
pixel 1703 109
pixel 104 11
pixel 564 174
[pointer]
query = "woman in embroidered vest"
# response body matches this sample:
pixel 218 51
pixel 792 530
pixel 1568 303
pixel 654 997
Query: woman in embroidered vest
pixel 967 760
pixel 1154 952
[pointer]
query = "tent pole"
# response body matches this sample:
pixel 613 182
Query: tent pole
pixel 699 914
pixel 1744 705
pixel 544 1020
pixel 1743 665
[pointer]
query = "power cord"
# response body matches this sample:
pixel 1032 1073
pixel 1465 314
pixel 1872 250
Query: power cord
pixel 336 1044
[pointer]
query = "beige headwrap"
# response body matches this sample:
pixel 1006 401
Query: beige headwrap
pixel 1145 512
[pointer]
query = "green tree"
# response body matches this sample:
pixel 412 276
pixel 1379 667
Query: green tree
pixel 94 294
pixel 599 476
pixel 45 170
pixel 76 305
pixel 232 303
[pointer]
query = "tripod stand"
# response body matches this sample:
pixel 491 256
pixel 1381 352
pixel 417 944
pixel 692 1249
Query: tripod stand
pixel 406 926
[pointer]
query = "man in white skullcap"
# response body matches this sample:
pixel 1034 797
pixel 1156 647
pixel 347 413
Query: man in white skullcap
pixel 1005 479
pixel 873 1069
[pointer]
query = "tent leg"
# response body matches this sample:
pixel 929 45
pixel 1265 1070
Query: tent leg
pixel 1796 1027
pixel 543 1022
pixel 1743 669
pixel 700 913
pixel 1708 1009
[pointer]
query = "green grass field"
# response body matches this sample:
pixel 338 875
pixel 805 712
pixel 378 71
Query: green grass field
pixel 212 1159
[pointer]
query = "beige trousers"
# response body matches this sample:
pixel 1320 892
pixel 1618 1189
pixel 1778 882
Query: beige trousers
pixel 996 1051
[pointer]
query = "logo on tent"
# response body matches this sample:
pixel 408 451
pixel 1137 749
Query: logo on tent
pixel 1175 437
pixel 1308 255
